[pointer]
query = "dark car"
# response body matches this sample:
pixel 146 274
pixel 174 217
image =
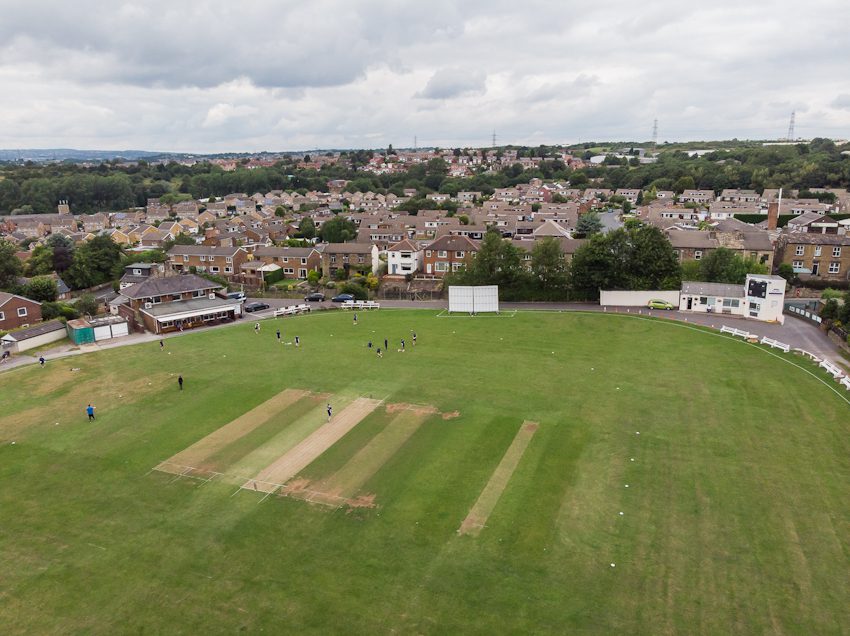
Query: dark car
pixel 341 298
pixel 315 297
pixel 255 306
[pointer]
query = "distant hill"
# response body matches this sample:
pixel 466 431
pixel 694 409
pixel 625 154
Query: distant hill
pixel 40 155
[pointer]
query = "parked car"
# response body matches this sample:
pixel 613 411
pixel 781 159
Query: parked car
pixel 659 304
pixel 315 297
pixel 341 298
pixel 240 296
pixel 256 306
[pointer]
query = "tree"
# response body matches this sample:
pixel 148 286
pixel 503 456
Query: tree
pixel 786 270
pixel 10 265
pixel 691 271
pixel 280 211
pixel 41 289
pixel 653 263
pixel 338 230
pixel 684 183
pixel 87 304
pixel 726 266
pixel 588 224
pixel 180 239
pixel 94 263
pixel 63 252
pixel 549 268
pixel 313 277
pixel 307 228
pixel 40 262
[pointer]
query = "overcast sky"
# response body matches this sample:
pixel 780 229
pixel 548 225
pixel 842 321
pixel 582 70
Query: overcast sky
pixel 184 75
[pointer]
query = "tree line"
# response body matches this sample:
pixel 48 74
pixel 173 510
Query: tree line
pixel 108 186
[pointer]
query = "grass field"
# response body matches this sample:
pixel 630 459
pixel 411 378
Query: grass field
pixel 734 494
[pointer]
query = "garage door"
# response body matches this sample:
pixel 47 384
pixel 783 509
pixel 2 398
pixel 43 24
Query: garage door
pixel 120 329
pixel 103 332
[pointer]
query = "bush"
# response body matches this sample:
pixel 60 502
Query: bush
pixel 829 293
pixel 340 274
pixel 358 291
pixel 87 304
pixel 51 310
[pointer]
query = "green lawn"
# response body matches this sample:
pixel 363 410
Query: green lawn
pixel 735 519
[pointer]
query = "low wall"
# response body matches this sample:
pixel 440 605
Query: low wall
pixel 637 298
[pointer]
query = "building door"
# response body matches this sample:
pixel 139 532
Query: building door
pixel 815 268
pixel 302 273
pixel 690 302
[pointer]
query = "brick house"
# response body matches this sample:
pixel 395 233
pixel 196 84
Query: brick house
pixel 225 261
pixel 296 262
pixel 824 256
pixel 179 302
pixel 447 254
pixel 348 256
pixel 17 311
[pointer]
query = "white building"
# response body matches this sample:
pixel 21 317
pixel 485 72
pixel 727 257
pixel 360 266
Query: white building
pixel 405 257
pixel 761 297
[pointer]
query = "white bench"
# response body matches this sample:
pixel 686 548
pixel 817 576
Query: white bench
pixel 832 369
pixel 737 332
pixel 292 310
pixel 361 304
pixel 845 382
pixel 775 344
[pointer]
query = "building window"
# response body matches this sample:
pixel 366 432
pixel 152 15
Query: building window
pixel 800 250
pixel 817 250
pixel 697 254
pixel 198 293
pixel 22 312
pixel 228 270
pixel 458 254
pixel 212 258
pixel 836 252
pixel 2 316
pixel 156 300
pixel 428 253
pixel 203 258
pixel 333 258
pixel 797 264
pixel 303 261
pixel 214 269
pixel 229 259
pixel 834 268
pixel 288 270
pixel 441 266
pixel 442 254
pixel 185 258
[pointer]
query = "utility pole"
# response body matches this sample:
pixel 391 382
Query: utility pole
pixel 494 138
pixel 790 135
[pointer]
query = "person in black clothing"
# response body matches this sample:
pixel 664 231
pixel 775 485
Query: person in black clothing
pixel 180 381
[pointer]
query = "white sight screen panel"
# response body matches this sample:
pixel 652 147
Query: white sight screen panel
pixel 469 300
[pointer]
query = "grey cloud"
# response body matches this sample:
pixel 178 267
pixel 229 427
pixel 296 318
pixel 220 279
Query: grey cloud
pixel 448 83
pixel 842 102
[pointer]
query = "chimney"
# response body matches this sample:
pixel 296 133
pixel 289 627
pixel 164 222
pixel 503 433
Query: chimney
pixel 772 215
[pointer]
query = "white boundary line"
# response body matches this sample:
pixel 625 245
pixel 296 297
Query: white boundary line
pixel 710 332
pixel 511 313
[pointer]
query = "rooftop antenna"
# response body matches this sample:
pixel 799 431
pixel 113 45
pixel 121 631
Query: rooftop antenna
pixel 654 133
pixel 790 135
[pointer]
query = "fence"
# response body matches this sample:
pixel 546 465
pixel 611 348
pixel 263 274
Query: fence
pixel 292 310
pixel 360 304
pixel 803 312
